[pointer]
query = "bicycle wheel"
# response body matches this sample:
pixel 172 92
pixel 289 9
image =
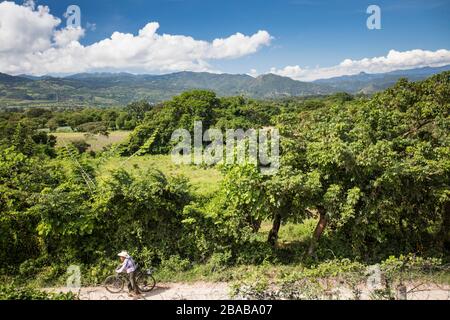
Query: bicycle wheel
pixel 145 282
pixel 114 284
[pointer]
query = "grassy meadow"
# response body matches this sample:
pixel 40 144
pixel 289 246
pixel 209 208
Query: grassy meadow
pixel 204 181
pixel 97 142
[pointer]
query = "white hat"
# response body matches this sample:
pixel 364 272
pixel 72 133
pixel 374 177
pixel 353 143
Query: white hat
pixel 123 254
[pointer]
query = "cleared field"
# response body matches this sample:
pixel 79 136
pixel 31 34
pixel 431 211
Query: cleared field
pixel 97 142
pixel 205 181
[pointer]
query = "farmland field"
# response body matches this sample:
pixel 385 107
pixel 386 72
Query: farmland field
pixel 204 181
pixel 97 142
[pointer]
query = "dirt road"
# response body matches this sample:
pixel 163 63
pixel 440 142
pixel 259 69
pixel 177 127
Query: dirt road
pixel 221 291
pixel 172 291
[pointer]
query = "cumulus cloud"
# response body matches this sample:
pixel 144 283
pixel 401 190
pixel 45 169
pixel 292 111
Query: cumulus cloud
pixel 24 29
pixel 253 73
pixel 30 42
pixel 64 37
pixel 394 60
pixel 238 45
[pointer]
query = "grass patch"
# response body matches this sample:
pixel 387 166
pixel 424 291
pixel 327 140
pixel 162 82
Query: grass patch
pixel 97 142
pixel 205 181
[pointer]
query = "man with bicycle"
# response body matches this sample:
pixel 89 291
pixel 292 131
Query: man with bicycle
pixel 129 267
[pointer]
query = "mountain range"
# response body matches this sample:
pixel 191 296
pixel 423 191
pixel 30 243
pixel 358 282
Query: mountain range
pixel 105 89
pixel 370 83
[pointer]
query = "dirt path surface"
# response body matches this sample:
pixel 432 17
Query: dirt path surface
pixel 221 291
pixel 169 291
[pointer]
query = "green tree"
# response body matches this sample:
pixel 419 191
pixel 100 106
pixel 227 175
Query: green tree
pixel 382 165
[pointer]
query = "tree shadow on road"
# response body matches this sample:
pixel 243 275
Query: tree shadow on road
pixel 157 291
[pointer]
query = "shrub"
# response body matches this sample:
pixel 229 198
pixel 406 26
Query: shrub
pixel 175 264
pixel 9 292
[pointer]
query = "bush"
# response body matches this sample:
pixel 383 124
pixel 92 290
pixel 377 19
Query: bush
pixel 175 264
pixel 9 292
pixel 80 145
pixel 255 252
pixel 220 260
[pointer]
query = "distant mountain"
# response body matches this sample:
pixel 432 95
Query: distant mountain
pixel 122 88
pixel 370 83
pixel 7 79
pixel 26 76
pixel 271 85
pixel 105 89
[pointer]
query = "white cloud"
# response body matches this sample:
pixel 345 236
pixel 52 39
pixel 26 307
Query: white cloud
pixel 238 45
pixel 62 38
pixel 394 60
pixel 253 72
pixel 31 43
pixel 24 29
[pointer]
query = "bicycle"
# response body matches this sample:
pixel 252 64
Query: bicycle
pixel 144 281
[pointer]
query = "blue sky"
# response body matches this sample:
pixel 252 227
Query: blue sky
pixel 305 33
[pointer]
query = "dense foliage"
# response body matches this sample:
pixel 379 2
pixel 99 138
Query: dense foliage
pixel 182 111
pixel 380 169
pixel 92 120
pixel 373 172
pixel 13 293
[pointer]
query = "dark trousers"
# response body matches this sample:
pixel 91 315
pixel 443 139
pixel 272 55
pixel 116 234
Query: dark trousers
pixel 132 283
